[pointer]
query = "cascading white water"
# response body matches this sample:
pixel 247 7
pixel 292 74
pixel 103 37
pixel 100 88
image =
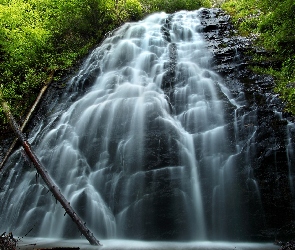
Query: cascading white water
pixel 149 151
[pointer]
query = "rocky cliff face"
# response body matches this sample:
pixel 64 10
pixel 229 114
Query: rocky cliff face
pixel 272 146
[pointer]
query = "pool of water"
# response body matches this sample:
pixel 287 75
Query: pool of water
pixel 37 243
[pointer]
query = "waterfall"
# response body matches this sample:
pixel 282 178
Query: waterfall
pixel 146 143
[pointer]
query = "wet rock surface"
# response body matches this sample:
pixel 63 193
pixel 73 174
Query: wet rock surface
pixel 272 144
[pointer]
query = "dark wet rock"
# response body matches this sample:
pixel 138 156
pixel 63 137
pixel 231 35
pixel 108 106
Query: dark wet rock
pixel 89 78
pixel 165 29
pixel 169 79
pixel 270 160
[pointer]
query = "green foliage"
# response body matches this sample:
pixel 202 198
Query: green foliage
pixel 273 22
pixel 171 6
pixel 130 9
pixel 245 14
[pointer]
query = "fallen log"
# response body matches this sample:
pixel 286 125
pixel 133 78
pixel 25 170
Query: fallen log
pixel 7 242
pixel 28 117
pixel 46 177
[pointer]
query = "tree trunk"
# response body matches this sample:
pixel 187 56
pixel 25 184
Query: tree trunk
pixel 45 176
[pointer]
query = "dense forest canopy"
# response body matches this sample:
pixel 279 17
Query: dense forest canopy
pixel 39 37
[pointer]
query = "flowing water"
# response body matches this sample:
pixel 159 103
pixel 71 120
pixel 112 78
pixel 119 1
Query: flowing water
pixel 146 144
